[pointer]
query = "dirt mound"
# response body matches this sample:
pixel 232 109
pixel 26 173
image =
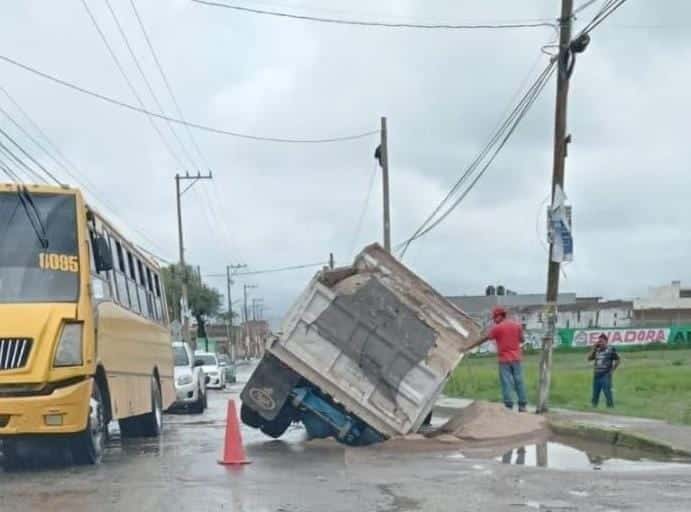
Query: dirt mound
pixel 482 421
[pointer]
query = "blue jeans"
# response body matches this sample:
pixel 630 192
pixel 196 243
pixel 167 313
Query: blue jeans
pixel 511 378
pixel 603 383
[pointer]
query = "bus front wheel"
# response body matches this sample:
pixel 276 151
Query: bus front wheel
pixel 88 446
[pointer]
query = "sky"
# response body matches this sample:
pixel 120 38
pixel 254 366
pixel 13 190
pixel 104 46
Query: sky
pixel 443 92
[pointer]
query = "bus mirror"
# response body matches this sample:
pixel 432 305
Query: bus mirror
pixel 102 255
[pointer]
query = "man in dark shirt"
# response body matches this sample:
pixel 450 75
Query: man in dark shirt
pixel 606 360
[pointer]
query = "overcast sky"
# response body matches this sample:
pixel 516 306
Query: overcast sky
pixel 272 205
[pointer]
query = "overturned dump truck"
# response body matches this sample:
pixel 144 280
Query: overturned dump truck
pixel 362 355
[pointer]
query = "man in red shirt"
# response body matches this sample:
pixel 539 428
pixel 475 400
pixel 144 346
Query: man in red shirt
pixel 508 336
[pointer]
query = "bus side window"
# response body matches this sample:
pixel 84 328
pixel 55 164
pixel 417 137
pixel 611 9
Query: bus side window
pixel 111 273
pixel 141 288
pixel 132 283
pixel 150 295
pixel 158 300
pixel 120 272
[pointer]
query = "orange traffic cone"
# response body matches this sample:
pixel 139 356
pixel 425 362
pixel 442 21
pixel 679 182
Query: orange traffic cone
pixel 234 452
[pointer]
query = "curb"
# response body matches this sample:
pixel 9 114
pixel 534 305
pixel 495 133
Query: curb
pixel 616 437
pixel 590 432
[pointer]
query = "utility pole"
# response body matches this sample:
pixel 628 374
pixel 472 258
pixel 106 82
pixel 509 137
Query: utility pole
pixel 255 307
pixel 560 142
pixel 184 316
pixel 246 330
pixel 245 288
pixel 230 270
pixel 382 154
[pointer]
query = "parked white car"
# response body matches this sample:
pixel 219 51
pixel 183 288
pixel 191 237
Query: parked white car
pixel 212 369
pixel 190 380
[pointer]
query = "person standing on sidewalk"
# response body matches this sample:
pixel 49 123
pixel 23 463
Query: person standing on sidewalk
pixel 606 360
pixel 508 336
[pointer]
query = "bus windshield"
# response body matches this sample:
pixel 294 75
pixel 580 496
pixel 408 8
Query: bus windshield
pixel 39 257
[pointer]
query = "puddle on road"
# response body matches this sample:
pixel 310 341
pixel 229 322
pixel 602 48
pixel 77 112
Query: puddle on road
pixel 577 455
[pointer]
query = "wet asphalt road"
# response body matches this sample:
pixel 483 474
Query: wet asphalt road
pixel 179 472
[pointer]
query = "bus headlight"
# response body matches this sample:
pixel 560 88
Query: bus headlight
pixel 69 352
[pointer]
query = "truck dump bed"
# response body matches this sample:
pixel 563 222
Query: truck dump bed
pixel 376 339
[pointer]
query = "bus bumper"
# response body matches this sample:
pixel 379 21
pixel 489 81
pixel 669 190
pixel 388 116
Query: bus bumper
pixel 64 411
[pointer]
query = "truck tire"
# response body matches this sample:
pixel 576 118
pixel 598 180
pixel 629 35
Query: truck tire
pixel 87 447
pixel 276 427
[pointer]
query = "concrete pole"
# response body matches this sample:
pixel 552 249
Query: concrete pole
pixel 384 159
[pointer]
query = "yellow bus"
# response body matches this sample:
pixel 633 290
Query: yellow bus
pixel 84 335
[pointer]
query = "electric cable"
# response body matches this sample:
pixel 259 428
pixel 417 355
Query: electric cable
pixel 164 117
pixel 380 24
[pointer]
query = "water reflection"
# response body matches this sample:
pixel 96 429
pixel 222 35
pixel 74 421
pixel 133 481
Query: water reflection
pixel 507 458
pixel 557 455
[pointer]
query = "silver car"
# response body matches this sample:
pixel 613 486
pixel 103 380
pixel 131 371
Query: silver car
pixel 190 380
pixel 209 363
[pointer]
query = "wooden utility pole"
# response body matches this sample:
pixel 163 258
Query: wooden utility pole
pixel 384 161
pixel 184 317
pixel 230 270
pixel 560 141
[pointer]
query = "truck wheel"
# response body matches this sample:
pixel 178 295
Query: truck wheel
pixel 206 401
pixel 88 446
pixel 276 427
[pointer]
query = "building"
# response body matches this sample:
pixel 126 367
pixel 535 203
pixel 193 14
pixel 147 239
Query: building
pixel 664 305
pixel 573 312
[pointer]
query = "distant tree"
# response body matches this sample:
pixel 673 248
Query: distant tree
pixel 204 301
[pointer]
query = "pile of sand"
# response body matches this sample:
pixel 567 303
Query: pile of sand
pixel 482 421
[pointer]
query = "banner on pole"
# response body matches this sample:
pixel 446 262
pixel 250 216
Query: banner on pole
pixel 559 228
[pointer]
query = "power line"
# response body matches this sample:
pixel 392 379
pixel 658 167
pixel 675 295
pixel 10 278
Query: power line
pixel 164 76
pixel 138 65
pixel 473 166
pixel 365 205
pixel 605 12
pixel 11 174
pixel 211 202
pixel 273 270
pixel 133 90
pixel 379 24
pixel 510 131
pixel 584 6
pixel 62 161
pixel 197 126
pixel 14 159
pixel 27 155
pixel 495 145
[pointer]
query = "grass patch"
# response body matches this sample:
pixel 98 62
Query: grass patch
pixel 652 384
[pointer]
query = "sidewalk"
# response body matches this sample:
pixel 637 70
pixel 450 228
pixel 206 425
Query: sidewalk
pixel 640 433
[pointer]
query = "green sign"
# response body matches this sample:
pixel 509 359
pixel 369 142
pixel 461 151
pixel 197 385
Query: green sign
pixel 673 335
